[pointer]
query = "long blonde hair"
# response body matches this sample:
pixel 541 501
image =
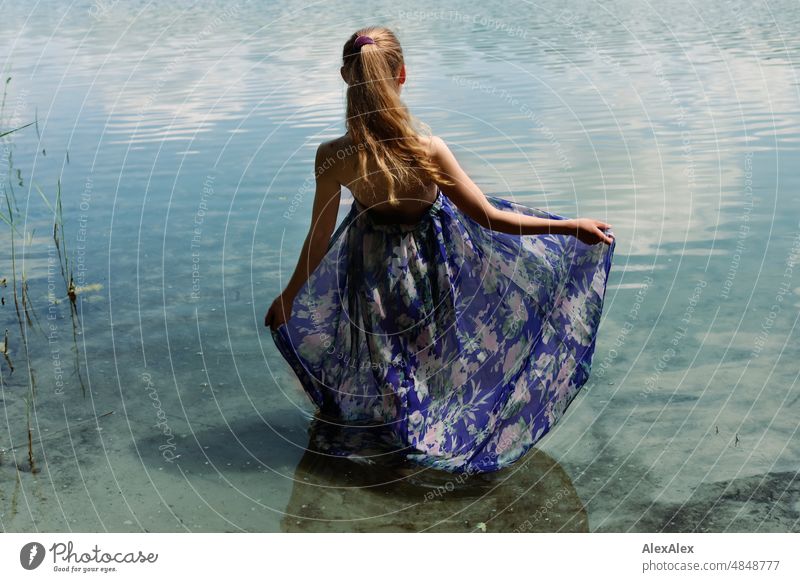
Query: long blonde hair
pixel 377 119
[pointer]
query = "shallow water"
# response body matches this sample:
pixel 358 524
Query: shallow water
pixel 183 138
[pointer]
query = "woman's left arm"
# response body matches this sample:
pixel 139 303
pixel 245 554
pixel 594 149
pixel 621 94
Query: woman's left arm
pixel 323 221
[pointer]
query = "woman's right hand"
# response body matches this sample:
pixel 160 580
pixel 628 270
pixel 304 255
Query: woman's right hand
pixel 278 312
pixel 590 231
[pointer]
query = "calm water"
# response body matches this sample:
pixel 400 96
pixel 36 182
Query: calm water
pixel 183 137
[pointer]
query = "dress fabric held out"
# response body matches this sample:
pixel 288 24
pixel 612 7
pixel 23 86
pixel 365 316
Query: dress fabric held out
pixel 464 344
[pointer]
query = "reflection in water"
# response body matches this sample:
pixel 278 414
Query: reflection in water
pixel 379 492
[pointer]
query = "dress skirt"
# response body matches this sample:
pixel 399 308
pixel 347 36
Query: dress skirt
pixel 463 345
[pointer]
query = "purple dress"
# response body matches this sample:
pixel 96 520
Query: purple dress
pixel 464 345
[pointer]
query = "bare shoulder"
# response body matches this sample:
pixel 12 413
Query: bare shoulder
pixel 332 146
pixel 440 153
pixel 330 154
pixel 436 147
pixel 432 143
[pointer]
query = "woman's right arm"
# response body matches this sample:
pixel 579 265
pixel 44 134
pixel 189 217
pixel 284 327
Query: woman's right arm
pixel 473 202
pixel 323 222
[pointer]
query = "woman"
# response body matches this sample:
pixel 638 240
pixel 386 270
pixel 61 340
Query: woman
pixel 463 324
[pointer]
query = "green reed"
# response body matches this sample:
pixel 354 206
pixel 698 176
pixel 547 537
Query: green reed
pixel 19 297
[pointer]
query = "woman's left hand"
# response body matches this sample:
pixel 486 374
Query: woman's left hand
pixel 278 312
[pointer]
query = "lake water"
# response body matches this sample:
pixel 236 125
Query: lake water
pixel 183 135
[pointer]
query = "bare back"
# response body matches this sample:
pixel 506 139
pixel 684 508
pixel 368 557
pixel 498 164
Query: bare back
pixel 413 200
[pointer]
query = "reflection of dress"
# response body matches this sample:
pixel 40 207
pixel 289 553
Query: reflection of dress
pixel 335 494
pixel 469 344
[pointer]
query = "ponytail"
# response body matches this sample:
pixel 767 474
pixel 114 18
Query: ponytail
pixel 377 119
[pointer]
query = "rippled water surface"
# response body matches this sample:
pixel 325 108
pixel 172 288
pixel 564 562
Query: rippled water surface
pixel 182 136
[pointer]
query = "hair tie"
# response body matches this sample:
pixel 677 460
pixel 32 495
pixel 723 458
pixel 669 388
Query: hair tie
pixel 361 41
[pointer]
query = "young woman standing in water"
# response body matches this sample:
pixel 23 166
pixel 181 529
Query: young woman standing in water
pixel 463 323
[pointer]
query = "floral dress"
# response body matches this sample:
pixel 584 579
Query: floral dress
pixel 465 345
